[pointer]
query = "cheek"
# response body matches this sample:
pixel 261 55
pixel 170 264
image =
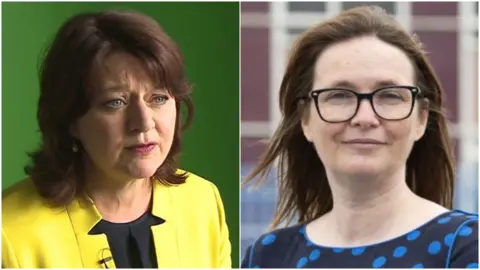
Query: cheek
pixel 317 130
pixel 102 138
pixel 101 131
pixel 165 121
pixel 325 135
pixel 400 131
pixel 402 136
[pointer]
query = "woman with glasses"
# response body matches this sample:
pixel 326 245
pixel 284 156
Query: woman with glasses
pixel 104 189
pixel 364 157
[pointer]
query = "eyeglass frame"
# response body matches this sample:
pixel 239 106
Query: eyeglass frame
pixel 313 95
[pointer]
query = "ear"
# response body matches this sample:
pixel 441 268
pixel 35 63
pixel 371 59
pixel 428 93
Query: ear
pixel 306 127
pixel 422 119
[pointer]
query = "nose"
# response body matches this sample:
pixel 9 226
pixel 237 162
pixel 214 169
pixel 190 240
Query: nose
pixel 140 117
pixel 365 116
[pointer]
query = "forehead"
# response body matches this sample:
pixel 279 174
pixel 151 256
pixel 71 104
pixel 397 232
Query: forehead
pixel 364 62
pixel 121 69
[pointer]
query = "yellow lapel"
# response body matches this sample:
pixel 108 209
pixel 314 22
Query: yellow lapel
pixel 93 248
pixel 165 235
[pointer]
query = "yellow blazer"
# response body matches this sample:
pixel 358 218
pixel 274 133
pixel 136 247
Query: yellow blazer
pixel 194 234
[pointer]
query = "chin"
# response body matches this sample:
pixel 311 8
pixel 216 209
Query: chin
pixel 142 169
pixel 142 174
pixel 361 171
pixel 362 167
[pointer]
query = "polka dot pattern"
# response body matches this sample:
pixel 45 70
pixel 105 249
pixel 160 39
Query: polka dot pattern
pixel 444 220
pixel 448 239
pixel 434 248
pixel 358 251
pixel 413 235
pixel 465 231
pixel 314 255
pixel 399 251
pixel 379 262
pixel 420 248
pixel 269 239
pixel 302 262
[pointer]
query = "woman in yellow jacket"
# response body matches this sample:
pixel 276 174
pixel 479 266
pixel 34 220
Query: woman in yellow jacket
pixel 104 189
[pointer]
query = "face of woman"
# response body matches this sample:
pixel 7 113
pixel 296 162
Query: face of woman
pixel 128 131
pixel 366 144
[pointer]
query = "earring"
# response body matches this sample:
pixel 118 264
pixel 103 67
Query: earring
pixel 74 147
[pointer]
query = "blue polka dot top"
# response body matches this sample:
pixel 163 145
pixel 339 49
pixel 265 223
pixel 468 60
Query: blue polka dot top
pixel 447 241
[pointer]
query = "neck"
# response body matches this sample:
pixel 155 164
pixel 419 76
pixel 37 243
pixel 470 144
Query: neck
pixel 362 192
pixel 119 200
pixel 373 205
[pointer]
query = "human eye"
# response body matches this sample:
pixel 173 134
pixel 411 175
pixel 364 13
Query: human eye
pixel 336 96
pixel 394 94
pixel 115 103
pixel 160 99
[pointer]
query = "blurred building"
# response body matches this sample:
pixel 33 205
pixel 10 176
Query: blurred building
pixel 449 31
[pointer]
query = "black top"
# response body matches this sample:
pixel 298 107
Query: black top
pixel 131 243
pixel 449 240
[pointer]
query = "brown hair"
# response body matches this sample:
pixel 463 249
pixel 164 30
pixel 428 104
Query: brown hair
pixel 303 187
pixel 65 80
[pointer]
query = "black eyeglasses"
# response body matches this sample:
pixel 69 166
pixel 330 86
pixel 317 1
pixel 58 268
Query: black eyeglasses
pixel 335 105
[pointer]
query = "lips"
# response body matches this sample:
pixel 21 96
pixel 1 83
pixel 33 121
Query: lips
pixel 141 145
pixel 364 143
pixel 143 148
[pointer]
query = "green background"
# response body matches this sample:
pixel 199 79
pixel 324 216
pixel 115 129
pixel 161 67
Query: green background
pixel 208 34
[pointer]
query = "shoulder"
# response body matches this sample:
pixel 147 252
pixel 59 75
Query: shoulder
pixel 23 205
pixel 275 246
pixel 455 223
pixel 195 187
pixel 462 238
pixel 453 234
pixel 202 188
pixel 195 182
pixel 196 193
pixel 282 236
pixel 448 223
pixel 18 192
pixel 27 217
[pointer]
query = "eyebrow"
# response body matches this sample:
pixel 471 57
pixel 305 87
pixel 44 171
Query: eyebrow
pixel 125 88
pixel 350 85
pixel 116 88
